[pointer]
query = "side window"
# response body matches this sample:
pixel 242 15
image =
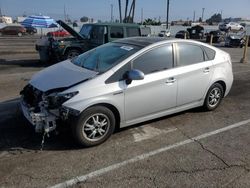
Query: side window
pixel 158 59
pixel 97 34
pixel 189 54
pixel 210 53
pixel 132 31
pixel 116 32
pixel 119 74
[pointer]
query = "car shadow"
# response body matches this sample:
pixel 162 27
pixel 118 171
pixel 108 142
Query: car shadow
pixel 16 133
pixel 25 63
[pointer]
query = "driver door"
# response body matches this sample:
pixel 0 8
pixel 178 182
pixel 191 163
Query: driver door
pixel 97 36
pixel 157 92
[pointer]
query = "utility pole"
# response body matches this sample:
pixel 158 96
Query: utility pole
pixel 141 16
pixel 203 9
pixel 120 10
pixel 126 11
pixel 112 17
pixel 167 14
pixel 65 16
pixel 194 17
pixel 133 13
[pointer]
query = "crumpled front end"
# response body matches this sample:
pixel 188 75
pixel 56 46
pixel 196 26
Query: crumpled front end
pixel 36 108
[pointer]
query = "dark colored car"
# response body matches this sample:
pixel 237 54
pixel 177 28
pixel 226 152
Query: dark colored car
pixel 217 36
pixel 13 30
pixel 236 41
pixel 181 34
pixel 196 32
pixel 90 36
pixel 31 30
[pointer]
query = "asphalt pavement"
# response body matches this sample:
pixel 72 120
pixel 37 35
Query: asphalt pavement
pixel 189 149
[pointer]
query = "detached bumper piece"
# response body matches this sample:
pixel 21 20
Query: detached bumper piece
pixel 43 121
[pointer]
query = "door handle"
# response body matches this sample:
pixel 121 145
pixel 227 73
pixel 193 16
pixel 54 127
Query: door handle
pixel 206 70
pixel 170 80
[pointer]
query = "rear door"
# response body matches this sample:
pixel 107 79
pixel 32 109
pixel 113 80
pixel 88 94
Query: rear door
pixel 194 73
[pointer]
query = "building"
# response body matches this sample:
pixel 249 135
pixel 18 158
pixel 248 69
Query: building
pixel 20 19
pixel 6 19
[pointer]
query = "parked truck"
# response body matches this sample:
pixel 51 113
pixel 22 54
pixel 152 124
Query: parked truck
pixel 90 36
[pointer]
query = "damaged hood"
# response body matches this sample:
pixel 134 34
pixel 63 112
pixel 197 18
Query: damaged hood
pixel 60 75
pixel 70 30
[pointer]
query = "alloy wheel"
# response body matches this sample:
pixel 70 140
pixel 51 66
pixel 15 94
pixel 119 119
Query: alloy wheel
pixel 214 97
pixel 96 127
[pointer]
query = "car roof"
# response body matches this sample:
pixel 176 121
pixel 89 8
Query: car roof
pixel 114 24
pixel 140 41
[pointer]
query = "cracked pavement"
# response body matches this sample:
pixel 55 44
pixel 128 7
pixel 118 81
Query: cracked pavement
pixel 221 160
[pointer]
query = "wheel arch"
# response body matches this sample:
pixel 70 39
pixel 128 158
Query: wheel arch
pixel 223 84
pixel 114 110
pixel 71 48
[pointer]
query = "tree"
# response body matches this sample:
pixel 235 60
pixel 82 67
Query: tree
pixel 149 21
pixel 84 19
pixel 214 18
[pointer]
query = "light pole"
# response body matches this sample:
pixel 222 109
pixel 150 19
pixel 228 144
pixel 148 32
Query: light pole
pixel 167 14
pixel 112 13
pixel 203 9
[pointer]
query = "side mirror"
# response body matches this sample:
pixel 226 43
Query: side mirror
pixel 134 74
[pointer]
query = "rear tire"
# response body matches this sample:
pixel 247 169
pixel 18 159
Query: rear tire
pixel 19 34
pixel 214 97
pixel 94 126
pixel 1 34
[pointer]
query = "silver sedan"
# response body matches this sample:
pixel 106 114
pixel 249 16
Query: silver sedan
pixel 124 83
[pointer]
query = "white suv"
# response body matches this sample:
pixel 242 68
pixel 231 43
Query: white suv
pixel 231 26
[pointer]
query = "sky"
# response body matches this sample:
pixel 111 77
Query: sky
pixel 101 9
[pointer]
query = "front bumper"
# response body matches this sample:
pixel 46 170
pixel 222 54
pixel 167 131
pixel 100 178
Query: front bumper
pixel 42 121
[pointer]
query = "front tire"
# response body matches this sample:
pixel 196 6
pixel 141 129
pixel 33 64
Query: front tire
pixel 19 34
pixel 214 97
pixel 72 53
pixel 94 126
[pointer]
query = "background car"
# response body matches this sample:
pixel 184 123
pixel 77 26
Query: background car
pixel 13 30
pixel 235 41
pixel 217 36
pixel 181 34
pixel 231 26
pixel 58 33
pixel 164 33
pixel 126 82
pixel 31 30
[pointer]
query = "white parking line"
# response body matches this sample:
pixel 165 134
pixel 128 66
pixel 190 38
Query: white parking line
pixel 145 155
pixel 147 132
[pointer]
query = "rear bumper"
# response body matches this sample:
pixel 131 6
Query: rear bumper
pixel 42 121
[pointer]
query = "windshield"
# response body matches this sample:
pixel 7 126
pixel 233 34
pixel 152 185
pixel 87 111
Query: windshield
pixel 105 57
pixel 85 30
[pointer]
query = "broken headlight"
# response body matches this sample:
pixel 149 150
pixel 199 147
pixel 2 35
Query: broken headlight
pixel 56 100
